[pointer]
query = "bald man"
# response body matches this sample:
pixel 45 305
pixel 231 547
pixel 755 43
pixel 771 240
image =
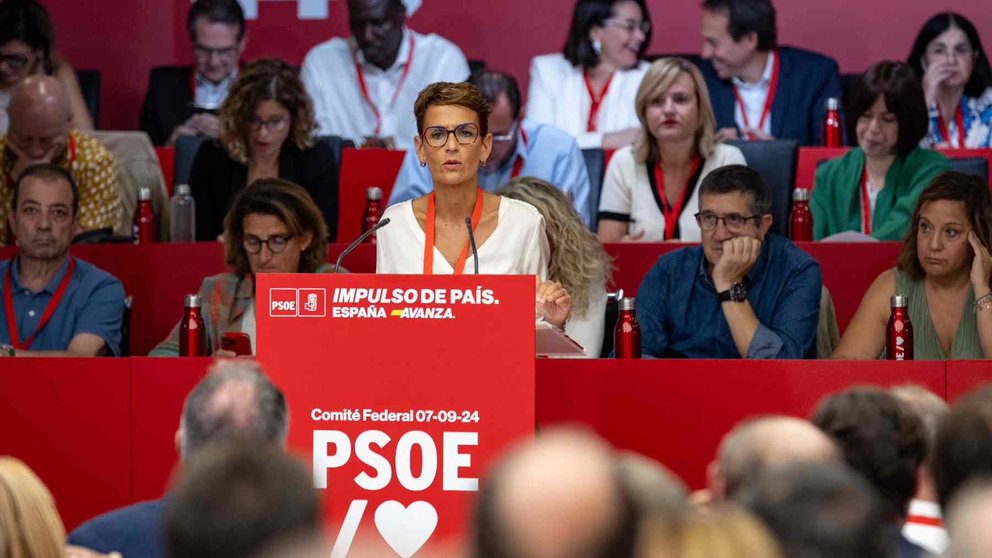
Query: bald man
pixel 558 497
pixel 40 132
pixel 756 445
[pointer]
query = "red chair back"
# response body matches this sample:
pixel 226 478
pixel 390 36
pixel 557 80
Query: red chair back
pixel 360 169
pixel 166 159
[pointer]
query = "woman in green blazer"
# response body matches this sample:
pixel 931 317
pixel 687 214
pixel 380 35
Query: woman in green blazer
pixel 888 169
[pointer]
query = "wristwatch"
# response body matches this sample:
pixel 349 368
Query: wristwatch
pixel 736 293
pixel 7 349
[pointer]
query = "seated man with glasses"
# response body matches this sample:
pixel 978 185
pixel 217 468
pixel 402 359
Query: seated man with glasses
pixel 742 293
pixel 273 227
pixel 40 132
pixel 521 147
pixel 183 100
pixel 363 87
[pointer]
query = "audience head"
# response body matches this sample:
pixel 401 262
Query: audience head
pixel 930 407
pixel 756 445
pixel 30 526
pixel 235 500
pixel 888 111
pixel 734 201
pixel 968 521
pixel 734 31
pixel 453 127
pixel 274 226
pixel 673 105
pixel 578 260
pixel 377 27
pixel 724 532
pixel 501 92
pixel 950 38
pixel 654 491
pixel 963 450
pixel 234 402
pixel 266 106
pixel 880 438
pixel 27 38
pixel 556 497
pixel 40 118
pixel 951 207
pixel 217 30
pixel 611 32
pixel 820 510
pixel 43 212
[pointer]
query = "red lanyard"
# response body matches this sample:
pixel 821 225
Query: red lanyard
pixel 8 305
pixel 518 165
pixel 865 201
pixel 672 213
pixel 595 99
pixel 429 243
pixel 769 98
pixel 399 86
pixel 959 121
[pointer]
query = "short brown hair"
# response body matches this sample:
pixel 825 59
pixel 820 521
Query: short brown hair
pixel 292 205
pixel 659 77
pixel 952 186
pixel 268 79
pixel 896 82
pixel 445 93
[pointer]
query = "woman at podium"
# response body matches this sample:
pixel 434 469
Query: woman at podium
pixel 430 234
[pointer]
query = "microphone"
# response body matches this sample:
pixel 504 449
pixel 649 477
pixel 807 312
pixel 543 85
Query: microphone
pixel 358 241
pixel 471 240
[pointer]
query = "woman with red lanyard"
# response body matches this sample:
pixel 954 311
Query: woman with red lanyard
pixel 872 189
pixel 588 90
pixel 650 191
pixel 430 234
pixel 957 82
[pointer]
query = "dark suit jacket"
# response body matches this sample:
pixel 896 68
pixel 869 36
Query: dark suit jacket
pixel 216 179
pixel 133 531
pixel 168 103
pixel 805 81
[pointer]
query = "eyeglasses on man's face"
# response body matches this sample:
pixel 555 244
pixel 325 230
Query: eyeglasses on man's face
pixel 734 222
pixel 203 53
pixel 510 135
pixel 276 243
pixel 465 134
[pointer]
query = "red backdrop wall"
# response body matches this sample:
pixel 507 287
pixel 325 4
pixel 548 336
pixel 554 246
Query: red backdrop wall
pixel 125 38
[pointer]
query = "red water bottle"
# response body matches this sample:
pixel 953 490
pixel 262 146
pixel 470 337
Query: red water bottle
pixel 192 331
pixel 899 332
pixel 627 334
pixel 832 134
pixel 143 229
pixel 801 220
pixel 373 211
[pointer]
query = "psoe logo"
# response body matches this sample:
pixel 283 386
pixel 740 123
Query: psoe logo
pixel 283 303
pixel 313 303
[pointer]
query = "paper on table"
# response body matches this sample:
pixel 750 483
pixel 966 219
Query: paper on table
pixel 552 342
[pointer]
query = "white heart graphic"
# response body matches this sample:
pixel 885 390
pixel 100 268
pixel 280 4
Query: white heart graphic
pixel 406 529
pixel 899 340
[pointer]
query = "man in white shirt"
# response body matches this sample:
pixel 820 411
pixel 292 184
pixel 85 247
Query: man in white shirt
pixel 363 87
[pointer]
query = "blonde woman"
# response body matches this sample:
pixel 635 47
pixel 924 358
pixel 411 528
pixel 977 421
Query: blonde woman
pixel 266 131
pixel 577 260
pixel 650 192
pixel 725 532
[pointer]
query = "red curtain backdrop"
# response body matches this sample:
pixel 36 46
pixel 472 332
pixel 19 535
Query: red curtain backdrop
pixel 125 38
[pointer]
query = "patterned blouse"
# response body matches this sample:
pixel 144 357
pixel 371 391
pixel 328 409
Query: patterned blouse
pixel 977 113
pixel 95 171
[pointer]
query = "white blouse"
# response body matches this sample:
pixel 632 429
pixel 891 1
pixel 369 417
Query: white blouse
pixel 588 330
pixel 518 246
pixel 627 191
pixel 558 96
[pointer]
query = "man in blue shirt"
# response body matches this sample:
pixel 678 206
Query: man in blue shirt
pixel 742 292
pixel 54 304
pixel 520 148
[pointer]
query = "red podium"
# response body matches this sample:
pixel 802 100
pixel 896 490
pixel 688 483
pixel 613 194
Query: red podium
pixel 402 389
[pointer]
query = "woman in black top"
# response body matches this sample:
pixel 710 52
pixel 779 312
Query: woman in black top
pixel 266 131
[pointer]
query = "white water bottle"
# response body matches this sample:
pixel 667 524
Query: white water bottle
pixel 182 216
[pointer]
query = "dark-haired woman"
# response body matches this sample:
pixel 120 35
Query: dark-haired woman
pixel 266 131
pixel 589 89
pixel 944 268
pixel 872 189
pixel 957 82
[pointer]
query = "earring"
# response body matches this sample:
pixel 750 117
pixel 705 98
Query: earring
pixel 597 47
pixel 483 162
pixel 423 163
